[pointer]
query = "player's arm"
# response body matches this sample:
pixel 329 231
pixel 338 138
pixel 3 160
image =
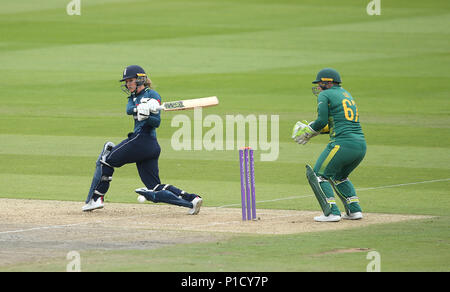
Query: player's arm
pixel 322 114
pixel 154 119
pixel 148 110
pixel 131 107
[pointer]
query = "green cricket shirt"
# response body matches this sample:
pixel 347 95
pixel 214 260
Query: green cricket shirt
pixel 336 107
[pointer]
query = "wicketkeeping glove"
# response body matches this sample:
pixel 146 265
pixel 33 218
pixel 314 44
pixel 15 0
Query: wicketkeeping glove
pixel 302 132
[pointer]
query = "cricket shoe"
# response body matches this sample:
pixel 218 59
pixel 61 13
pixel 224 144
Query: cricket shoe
pixel 92 205
pixel 329 218
pixel 353 216
pixel 143 194
pixel 142 191
pixel 196 203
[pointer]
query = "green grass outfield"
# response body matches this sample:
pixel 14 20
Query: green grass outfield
pixel 60 101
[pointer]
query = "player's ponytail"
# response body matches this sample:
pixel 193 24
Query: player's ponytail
pixel 148 83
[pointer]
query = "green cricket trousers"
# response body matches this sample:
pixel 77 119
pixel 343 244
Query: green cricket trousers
pixel 334 166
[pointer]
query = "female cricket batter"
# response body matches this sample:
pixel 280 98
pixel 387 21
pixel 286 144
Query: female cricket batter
pixel 338 116
pixel 141 147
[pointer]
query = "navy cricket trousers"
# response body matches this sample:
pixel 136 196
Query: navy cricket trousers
pixel 142 149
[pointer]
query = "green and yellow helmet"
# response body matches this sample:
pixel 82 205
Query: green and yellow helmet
pixel 328 74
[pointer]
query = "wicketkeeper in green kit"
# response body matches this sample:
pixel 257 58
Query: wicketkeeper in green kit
pixel 338 116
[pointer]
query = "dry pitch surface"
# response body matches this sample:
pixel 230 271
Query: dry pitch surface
pixel 36 229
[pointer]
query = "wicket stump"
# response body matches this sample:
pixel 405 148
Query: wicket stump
pixel 247 168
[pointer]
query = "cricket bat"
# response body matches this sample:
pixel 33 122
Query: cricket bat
pixel 189 103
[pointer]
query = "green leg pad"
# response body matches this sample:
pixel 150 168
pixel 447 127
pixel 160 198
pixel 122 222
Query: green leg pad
pixel 327 203
pixel 346 192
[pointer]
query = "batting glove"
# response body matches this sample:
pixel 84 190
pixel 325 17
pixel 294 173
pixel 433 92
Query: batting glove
pixel 143 112
pixel 152 105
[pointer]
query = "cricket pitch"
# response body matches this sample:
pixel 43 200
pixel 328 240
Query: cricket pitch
pixel 36 228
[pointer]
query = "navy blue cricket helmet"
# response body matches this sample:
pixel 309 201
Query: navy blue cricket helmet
pixel 133 71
